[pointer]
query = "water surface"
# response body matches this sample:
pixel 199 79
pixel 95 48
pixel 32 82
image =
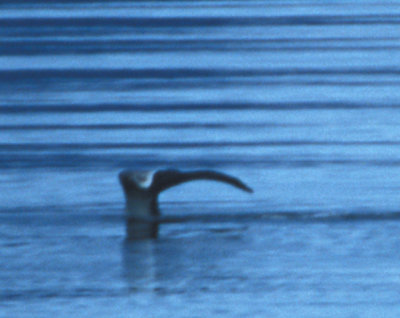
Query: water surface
pixel 299 99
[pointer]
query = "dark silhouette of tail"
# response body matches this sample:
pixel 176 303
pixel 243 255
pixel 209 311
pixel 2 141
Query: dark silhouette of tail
pixel 165 179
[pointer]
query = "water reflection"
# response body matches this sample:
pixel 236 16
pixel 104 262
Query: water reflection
pixel 183 264
pixel 138 263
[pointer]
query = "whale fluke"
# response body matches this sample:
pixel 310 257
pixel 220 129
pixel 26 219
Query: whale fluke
pixel 165 179
pixel 141 189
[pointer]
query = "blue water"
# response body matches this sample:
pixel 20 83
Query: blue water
pixel 299 99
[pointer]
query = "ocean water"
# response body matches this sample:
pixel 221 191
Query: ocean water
pixel 299 99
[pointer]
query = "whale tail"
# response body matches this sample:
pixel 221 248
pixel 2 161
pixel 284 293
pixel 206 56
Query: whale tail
pixel 141 189
pixel 165 179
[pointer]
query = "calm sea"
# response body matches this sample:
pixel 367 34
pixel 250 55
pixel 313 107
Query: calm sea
pixel 300 99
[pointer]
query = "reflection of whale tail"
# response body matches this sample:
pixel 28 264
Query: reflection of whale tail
pixel 142 188
pixel 139 264
pixel 141 228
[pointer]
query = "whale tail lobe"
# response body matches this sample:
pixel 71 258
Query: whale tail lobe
pixel 165 179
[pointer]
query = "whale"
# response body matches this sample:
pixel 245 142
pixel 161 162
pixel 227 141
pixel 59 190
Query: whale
pixel 141 190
